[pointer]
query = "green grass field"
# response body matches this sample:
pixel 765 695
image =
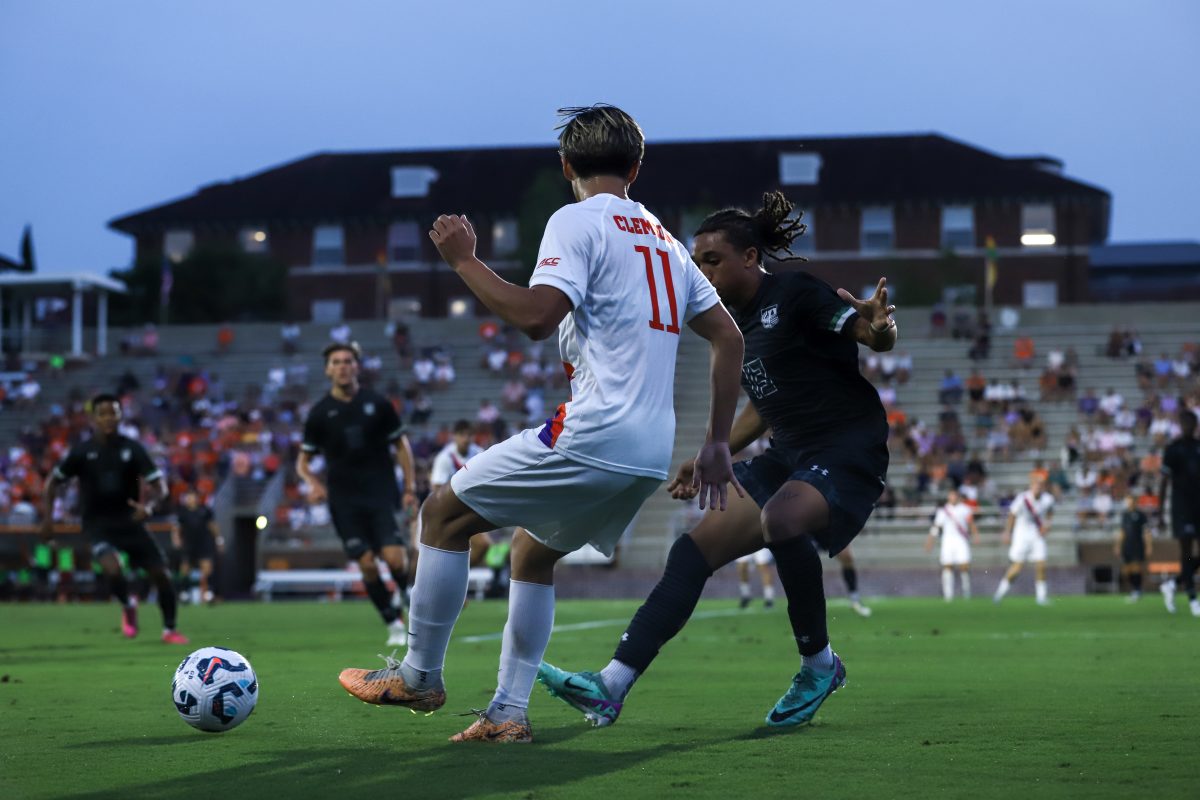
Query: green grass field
pixel 1088 698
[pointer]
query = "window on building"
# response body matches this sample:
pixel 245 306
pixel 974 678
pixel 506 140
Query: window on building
pixel 799 169
pixel 1037 225
pixel 878 229
pixel 958 227
pixel 328 246
pixel 412 181
pixel 253 240
pixel 808 242
pixel 404 242
pixel 504 237
pixel 326 311
pixel 177 245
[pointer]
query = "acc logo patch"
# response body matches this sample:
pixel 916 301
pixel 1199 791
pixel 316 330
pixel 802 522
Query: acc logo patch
pixel 770 317
pixel 549 262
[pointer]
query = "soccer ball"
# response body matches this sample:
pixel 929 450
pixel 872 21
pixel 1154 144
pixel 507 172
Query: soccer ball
pixel 214 689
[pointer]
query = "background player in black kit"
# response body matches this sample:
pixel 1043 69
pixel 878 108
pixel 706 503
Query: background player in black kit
pixel 814 487
pixel 111 469
pixel 1181 471
pixel 196 536
pixel 355 428
pixel 1134 545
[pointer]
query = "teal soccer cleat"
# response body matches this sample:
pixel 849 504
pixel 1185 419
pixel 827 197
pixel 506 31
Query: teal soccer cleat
pixel 808 691
pixel 583 691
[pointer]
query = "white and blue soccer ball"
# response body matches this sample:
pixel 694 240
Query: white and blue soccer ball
pixel 214 689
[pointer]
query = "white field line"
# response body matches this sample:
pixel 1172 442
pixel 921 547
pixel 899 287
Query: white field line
pixel 599 623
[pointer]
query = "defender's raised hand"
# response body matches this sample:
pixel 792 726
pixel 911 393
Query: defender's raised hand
pixel 454 237
pixel 875 309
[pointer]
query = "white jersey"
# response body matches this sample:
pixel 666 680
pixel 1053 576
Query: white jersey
pixel 954 521
pixel 1031 512
pixel 632 286
pixel 450 461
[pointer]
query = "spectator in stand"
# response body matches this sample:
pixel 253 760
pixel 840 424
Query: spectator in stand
pixel 401 343
pixel 423 370
pixel 1023 351
pixel 904 367
pixel 28 392
pixel 535 407
pixel 1055 359
pixel 870 366
pixel 1181 369
pixel 422 408
pixel 340 333
pixel 981 348
pixel 1110 404
pixel 1133 343
pixel 531 373
pixel 961 327
pixel 149 342
pixel 1116 343
pixel 487 413
pixel 489 330
pixel 496 359
pixel 1162 369
pixel 951 389
pixel 887 366
pixel 976 386
pixel 512 396
pixel 225 338
pixel 887 395
pixel 1089 405
pixel 444 374
pixel 289 336
pixel 937 320
pixel 998 442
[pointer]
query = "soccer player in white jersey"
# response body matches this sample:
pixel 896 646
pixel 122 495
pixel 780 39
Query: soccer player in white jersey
pixel 617 287
pixel 1026 529
pixel 762 560
pixel 954 523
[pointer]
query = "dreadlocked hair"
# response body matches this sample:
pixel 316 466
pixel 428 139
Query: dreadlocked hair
pixel 771 229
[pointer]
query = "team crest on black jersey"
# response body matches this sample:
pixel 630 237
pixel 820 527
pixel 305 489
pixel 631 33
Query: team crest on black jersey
pixel 126 454
pixel 770 317
pixel 368 408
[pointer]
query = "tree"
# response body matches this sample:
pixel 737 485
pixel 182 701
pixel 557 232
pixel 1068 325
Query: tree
pixel 212 284
pixel 546 194
pixel 27 261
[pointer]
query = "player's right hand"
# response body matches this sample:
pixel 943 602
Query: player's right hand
pixel 681 488
pixel 454 237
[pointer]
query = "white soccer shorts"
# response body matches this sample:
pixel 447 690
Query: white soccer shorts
pixel 1027 546
pixel 955 551
pixel 760 557
pixel 562 503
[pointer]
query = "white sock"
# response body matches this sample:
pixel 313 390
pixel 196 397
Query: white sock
pixel 618 678
pixel 442 578
pixel 821 662
pixel 965 577
pixel 1042 592
pixel 769 592
pixel 744 589
pixel 1003 588
pixel 948 583
pixel 526 634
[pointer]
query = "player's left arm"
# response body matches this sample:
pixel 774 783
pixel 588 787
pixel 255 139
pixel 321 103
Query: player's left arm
pixel 974 528
pixel 404 457
pixel 536 310
pixel 874 326
pixel 153 479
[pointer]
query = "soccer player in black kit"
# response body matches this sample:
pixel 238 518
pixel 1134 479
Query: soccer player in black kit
pixel 111 469
pixel 1133 545
pixel 812 489
pixel 1181 471
pixel 355 428
pixel 197 538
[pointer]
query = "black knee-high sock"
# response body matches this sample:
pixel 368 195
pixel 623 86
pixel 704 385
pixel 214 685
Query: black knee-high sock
pixel 119 587
pixel 378 592
pixel 168 603
pixel 1135 581
pixel 799 566
pixel 668 607
pixel 1187 570
pixel 850 576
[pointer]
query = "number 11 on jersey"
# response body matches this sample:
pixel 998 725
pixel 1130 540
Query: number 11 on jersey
pixel 665 258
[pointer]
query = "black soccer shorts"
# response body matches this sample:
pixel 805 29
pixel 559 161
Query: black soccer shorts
pixel 364 527
pixel 130 537
pixel 849 475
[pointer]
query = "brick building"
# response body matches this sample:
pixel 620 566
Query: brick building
pixel 916 208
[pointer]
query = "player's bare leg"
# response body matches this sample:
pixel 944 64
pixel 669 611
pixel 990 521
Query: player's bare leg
pixel 768 585
pixel 206 569
pixel 964 578
pixel 743 576
pixel 1040 585
pixel 396 558
pixel 447 525
pixel 1014 570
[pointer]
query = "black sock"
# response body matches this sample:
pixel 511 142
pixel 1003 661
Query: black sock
pixel 850 576
pixel 799 566
pixel 668 607
pixel 1135 581
pixel 378 592
pixel 168 603
pixel 119 587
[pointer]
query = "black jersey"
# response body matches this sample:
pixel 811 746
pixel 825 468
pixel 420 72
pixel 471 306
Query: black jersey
pixel 354 437
pixel 108 473
pixel 801 364
pixel 194 524
pixel 1133 527
pixel 1181 463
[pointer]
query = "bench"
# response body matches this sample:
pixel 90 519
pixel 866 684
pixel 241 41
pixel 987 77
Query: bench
pixel 338 582
pixel 1104 566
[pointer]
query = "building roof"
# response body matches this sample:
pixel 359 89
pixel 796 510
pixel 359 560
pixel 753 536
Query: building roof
pixel 1145 254
pixel 7 264
pixel 856 170
pixel 86 281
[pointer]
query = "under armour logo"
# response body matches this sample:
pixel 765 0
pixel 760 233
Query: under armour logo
pixel 816 468
pixel 625 636
pixel 802 639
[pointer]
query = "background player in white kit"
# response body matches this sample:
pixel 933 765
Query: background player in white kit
pixel 762 561
pixel 954 522
pixel 1027 526
pixel 617 287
